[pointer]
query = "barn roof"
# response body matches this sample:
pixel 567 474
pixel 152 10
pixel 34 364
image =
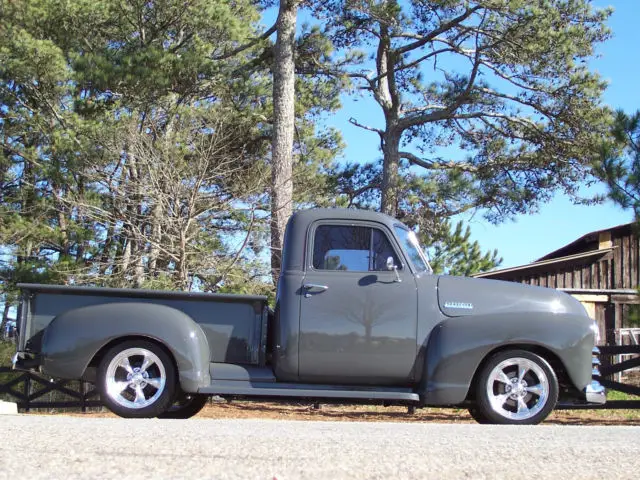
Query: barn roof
pixel 545 263
pixel 586 241
pixel 584 248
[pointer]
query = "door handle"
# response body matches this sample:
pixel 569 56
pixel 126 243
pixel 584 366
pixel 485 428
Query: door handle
pixel 314 286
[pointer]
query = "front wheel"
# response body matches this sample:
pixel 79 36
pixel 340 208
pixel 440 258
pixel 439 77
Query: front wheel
pixel 137 379
pixel 186 406
pixel 516 387
pixel 477 416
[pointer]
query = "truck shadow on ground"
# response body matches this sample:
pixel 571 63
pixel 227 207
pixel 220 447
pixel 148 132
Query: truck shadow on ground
pixel 379 413
pixel 306 411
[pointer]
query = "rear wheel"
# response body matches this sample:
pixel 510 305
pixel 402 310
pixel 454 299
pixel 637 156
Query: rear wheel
pixel 516 387
pixel 186 406
pixel 137 379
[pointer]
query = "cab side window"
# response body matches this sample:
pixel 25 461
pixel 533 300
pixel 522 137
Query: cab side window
pixel 351 248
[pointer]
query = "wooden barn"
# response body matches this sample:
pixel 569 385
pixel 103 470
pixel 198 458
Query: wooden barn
pixel 600 269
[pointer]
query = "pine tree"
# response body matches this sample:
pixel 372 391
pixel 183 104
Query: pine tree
pixel 454 253
pixel 131 156
pixel 619 165
pixel 505 82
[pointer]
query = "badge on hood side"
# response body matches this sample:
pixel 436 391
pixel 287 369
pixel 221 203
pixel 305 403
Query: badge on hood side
pixel 460 305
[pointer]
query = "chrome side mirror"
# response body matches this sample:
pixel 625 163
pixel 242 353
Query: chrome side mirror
pixel 392 266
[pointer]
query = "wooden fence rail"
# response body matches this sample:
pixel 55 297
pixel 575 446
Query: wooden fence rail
pixel 608 355
pixel 28 388
pixel 611 365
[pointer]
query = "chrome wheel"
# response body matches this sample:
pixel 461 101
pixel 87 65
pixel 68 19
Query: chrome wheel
pixel 515 387
pixel 135 378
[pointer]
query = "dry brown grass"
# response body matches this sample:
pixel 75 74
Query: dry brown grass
pixel 377 413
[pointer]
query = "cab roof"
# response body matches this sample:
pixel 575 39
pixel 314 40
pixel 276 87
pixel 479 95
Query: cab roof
pixel 314 214
pixel 296 234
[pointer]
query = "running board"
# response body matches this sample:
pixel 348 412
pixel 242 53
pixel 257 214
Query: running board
pixel 259 389
pixel 240 373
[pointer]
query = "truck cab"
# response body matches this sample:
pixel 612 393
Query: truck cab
pixel 347 308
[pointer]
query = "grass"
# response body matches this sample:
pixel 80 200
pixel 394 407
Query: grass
pixel 602 416
pixel 615 395
pixel 7 349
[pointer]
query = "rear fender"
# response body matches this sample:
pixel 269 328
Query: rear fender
pixel 73 339
pixel 457 347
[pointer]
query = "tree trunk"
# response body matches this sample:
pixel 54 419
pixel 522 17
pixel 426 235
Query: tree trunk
pixel 5 316
pixel 283 130
pixel 388 98
pixel 126 254
pixel 391 161
pixel 64 229
pixel 156 238
pixel 82 219
pixel 105 256
pixel 138 271
pixel 182 267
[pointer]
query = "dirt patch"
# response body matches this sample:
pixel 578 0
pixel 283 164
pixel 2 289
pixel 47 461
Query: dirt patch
pixel 378 413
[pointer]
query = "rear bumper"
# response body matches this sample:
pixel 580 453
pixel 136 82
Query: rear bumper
pixel 25 361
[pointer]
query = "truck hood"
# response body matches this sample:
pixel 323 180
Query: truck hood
pixel 463 296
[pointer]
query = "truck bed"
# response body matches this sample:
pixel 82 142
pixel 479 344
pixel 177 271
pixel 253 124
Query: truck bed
pixel 235 325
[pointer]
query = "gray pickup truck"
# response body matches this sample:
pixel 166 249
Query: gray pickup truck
pixel 359 316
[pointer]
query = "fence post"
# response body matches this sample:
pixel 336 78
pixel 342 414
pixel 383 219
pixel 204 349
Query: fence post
pixel 83 397
pixel 27 392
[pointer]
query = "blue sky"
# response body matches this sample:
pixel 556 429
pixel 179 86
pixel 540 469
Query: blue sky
pixel 558 222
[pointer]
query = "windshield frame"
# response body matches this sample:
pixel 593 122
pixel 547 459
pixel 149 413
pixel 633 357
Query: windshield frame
pixel 413 239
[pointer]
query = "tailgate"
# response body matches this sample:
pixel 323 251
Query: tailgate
pixel 22 322
pixel 28 339
pixel 32 319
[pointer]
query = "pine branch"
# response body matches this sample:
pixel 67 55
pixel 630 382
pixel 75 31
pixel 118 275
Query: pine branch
pixel 248 45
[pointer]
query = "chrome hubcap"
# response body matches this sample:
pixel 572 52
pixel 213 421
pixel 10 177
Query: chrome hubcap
pixel 135 378
pixel 517 388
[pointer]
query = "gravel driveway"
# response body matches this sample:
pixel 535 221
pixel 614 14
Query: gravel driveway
pixel 70 447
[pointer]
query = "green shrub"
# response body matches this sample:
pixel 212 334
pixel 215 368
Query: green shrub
pixel 7 349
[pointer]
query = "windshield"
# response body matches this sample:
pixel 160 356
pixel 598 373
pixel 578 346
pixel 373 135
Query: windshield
pixel 412 247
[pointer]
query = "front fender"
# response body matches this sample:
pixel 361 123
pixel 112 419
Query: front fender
pixel 73 338
pixel 457 346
